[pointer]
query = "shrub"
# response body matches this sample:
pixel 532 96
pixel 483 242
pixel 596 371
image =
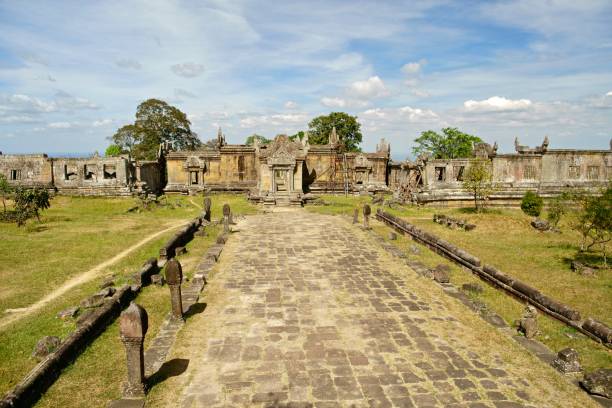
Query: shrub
pixel 556 210
pixel 532 204
pixel 29 202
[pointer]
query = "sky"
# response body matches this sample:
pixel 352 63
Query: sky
pixel 72 73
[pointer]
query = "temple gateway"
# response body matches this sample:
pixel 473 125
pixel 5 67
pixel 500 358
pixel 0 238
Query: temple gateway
pixel 288 171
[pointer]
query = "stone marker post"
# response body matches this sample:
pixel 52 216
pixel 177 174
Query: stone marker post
pixel 174 278
pixel 133 325
pixel 226 218
pixel 366 216
pixel 356 216
pixel 207 204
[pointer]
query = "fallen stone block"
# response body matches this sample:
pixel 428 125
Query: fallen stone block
pixel 46 346
pixel 441 273
pixel 540 225
pixel 598 382
pixel 583 269
pixel 69 313
pixel 567 361
pixel 107 292
pixel 93 301
pixel 180 250
pixel 392 236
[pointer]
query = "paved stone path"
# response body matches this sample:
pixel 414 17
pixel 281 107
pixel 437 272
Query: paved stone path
pixel 306 311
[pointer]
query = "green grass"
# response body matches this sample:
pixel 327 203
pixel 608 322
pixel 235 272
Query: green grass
pixel 505 239
pixel 108 229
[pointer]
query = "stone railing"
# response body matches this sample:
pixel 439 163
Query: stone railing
pixel 89 326
pixel 590 327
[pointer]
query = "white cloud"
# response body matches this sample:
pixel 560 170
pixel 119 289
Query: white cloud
pixel 496 104
pixel 188 69
pixel 59 125
pixel 609 93
pixel 25 103
pixel 375 112
pixel 373 87
pixel 333 102
pixel 102 122
pixel 417 114
pixel 128 63
pixel 413 68
pixel 291 105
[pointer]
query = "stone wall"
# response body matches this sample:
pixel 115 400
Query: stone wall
pixel 314 168
pixel 93 176
pixel 437 182
pixel 27 169
pixel 110 176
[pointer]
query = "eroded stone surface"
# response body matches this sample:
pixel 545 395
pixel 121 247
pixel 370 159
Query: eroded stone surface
pixel 307 310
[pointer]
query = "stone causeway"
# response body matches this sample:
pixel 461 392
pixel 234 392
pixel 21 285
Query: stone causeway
pixel 307 310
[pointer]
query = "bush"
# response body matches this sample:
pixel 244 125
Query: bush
pixel 532 204
pixel 556 210
pixel 29 202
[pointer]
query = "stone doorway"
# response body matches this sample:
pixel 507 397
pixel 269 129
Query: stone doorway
pixel 280 180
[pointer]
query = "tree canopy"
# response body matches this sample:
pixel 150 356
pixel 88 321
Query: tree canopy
pixel 478 180
pixel 451 144
pixel 347 128
pixel 113 151
pixel 251 139
pixel 156 122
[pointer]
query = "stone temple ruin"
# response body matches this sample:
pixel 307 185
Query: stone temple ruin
pixel 285 171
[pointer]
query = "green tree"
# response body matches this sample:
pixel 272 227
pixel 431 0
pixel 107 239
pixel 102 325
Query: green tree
pixel 29 202
pixel 532 204
pixel 5 190
pixel 478 180
pixel 156 123
pixel 127 137
pixel 451 144
pixel 347 128
pixel 113 151
pixel 594 221
pixel 251 139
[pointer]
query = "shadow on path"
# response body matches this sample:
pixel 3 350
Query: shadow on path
pixel 172 368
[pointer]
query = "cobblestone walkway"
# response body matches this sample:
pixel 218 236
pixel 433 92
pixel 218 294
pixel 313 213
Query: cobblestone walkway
pixel 306 311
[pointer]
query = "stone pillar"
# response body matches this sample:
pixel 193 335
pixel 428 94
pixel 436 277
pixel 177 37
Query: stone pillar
pixel 356 216
pixel 207 204
pixel 366 216
pixel 529 323
pixel 226 218
pixel 133 325
pixel 174 278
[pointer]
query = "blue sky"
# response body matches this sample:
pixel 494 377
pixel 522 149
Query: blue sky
pixel 71 73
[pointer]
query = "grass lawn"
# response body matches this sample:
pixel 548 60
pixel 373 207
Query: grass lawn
pixel 75 235
pixel 505 239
